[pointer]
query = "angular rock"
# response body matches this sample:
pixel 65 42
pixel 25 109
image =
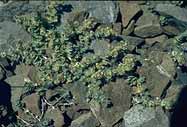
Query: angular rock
pixel 128 11
pixel 17 83
pixel 158 74
pixel 148 30
pixel 139 116
pixel 148 27
pixel 175 11
pixel 120 95
pixel 129 29
pixel 85 120
pixel 105 11
pixel 57 116
pixel 10 33
pixel 100 47
pixel 174 27
pixel 160 39
pixel 32 103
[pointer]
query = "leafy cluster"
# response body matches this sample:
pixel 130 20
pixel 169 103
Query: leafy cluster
pixel 65 56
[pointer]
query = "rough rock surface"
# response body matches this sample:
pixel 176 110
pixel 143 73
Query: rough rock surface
pixel 85 120
pixel 10 33
pixel 105 11
pixel 128 11
pixel 157 72
pixel 139 116
pixel 119 92
pixel 170 9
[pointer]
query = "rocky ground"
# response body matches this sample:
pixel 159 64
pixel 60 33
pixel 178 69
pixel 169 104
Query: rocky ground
pixel 157 35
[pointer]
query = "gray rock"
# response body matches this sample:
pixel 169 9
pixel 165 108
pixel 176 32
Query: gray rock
pixel 85 120
pixel 148 27
pixel 100 47
pixel 10 33
pixel 158 39
pixel 120 94
pixel 13 8
pixel 175 11
pixel 128 11
pixel 129 29
pixel 105 11
pixel 139 116
pixel 157 73
pixel 148 30
pixel 57 116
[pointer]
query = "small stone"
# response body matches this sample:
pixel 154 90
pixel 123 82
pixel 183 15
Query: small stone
pixel 139 116
pixel 85 120
pixel 120 94
pixel 128 11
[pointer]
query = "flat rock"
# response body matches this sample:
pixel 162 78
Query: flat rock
pixel 128 11
pixel 120 95
pixel 139 116
pixel 105 11
pixel 85 120
pixel 130 28
pixel 175 11
pixel 158 39
pixel 32 103
pixel 148 30
pixel 10 33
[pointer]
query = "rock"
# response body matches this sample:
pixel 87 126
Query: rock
pixel 32 103
pixel 100 47
pixel 17 83
pixel 85 120
pixel 117 27
pixel 10 33
pixel 57 117
pixel 158 39
pixel 13 8
pixel 157 73
pixel 129 29
pixel 128 11
pixel 148 27
pixel 148 30
pixel 120 94
pixel 175 11
pixel 132 42
pixel 174 27
pixel 77 110
pixel 139 116
pixel 105 11
pixel 4 62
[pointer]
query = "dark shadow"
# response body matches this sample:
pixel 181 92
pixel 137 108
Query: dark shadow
pixel 5 101
pixel 67 120
pixel 64 8
pixel 179 115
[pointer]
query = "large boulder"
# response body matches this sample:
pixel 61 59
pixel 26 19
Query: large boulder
pixel 139 116
pixel 105 11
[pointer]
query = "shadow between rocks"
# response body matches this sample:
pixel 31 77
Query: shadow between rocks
pixel 5 102
pixel 179 116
